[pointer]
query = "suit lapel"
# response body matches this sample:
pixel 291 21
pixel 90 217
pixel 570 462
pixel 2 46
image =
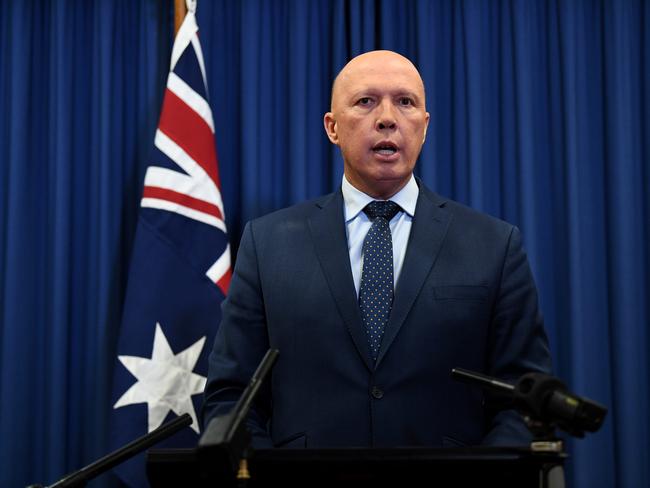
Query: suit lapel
pixel 327 227
pixel 430 224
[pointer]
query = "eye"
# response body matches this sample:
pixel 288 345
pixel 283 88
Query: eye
pixel 363 101
pixel 405 101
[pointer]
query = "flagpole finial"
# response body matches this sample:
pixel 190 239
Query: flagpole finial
pixel 191 5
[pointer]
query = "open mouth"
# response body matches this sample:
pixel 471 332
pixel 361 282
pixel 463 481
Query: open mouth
pixel 385 148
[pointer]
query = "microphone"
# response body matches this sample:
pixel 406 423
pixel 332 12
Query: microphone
pixel 79 478
pixel 226 435
pixel 545 399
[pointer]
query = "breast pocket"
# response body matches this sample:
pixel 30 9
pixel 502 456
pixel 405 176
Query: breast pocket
pixel 475 293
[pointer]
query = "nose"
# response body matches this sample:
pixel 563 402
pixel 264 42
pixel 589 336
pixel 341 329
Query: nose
pixel 386 116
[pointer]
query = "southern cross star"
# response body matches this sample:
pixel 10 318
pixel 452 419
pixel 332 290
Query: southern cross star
pixel 165 382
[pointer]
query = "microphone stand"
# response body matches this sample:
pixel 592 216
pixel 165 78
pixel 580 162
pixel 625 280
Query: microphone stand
pixel 545 403
pixel 225 444
pixel 81 477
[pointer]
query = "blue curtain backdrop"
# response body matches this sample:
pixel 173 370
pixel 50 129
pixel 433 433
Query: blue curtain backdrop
pixel 540 114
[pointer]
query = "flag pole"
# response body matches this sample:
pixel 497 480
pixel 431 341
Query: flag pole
pixel 180 9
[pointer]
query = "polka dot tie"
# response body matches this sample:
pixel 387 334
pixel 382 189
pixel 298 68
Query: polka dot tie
pixel 376 289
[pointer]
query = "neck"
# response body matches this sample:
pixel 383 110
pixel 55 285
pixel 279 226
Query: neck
pixel 380 190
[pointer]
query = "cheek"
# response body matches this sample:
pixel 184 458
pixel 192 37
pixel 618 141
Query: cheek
pixel 352 137
pixel 416 136
pixel 353 127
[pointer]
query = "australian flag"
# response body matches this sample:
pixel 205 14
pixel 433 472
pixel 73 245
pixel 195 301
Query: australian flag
pixel 180 267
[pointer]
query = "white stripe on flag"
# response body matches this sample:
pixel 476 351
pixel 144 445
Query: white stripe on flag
pixel 183 210
pixel 199 56
pixel 176 153
pixel 179 182
pixel 220 267
pixel 195 101
pixel 183 38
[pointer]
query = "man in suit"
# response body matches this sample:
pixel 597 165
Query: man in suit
pixel 371 304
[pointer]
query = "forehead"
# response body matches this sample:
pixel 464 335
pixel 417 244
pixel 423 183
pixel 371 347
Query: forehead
pixel 378 73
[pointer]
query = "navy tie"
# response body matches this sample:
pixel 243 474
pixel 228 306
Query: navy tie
pixel 376 289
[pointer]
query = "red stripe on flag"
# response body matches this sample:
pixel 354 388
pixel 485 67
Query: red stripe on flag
pixel 186 128
pixel 182 199
pixel 224 281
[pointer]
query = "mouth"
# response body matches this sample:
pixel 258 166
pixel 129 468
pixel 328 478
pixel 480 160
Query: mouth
pixel 385 148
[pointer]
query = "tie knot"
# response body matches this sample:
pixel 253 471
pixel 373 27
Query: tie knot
pixel 383 209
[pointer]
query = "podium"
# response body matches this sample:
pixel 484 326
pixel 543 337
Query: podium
pixel 338 468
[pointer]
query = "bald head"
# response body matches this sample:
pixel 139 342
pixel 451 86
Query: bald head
pixel 379 121
pixel 377 63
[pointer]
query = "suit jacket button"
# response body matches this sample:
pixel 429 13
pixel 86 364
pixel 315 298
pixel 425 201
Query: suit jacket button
pixel 377 393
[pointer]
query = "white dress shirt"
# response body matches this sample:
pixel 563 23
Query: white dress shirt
pixel 357 225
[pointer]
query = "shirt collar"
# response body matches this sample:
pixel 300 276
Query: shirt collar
pixel 355 200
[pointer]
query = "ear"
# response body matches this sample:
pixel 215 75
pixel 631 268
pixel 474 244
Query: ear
pixel 426 125
pixel 330 128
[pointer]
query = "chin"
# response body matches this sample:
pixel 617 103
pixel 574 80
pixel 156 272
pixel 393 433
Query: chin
pixel 388 185
pixel 392 174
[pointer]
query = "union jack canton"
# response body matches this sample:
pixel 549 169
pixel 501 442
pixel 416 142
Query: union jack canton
pixel 180 267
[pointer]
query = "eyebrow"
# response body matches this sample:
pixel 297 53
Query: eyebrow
pixel 395 93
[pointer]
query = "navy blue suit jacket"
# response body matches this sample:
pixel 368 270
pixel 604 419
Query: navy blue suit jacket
pixel 465 298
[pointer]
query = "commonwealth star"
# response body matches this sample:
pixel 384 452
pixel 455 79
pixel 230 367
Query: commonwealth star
pixel 165 381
